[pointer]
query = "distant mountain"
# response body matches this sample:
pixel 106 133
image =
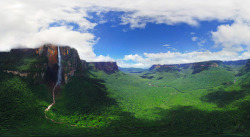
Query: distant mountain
pixel 237 62
pixel 107 67
pixel 198 66
pixel 132 70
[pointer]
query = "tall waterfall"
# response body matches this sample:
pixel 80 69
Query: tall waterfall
pixel 59 74
pixel 58 82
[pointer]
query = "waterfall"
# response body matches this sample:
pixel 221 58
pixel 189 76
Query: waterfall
pixel 59 79
pixel 59 74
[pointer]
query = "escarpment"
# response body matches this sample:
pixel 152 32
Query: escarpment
pixel 196 67
pixel 41 64
pixel 107 67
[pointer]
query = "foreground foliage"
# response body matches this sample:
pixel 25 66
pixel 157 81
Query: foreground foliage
pixel 212 102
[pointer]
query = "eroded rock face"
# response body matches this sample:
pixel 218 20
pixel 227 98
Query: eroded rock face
pixel 23 51
pixel 45 65
pixel 70 61
pixel 51 52
pixel 21 74
pixel 197 67
pixel 107 67
pixel 84 65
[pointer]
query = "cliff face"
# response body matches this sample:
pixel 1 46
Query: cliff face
pixel 84 65
pixel 70 61
pixel 197 67
pixel 51 53
pixel 24 63
pixel 107 67
pixel 41 64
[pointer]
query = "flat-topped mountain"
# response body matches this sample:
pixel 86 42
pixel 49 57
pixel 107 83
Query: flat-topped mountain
pixel 107 67
pixel 197 67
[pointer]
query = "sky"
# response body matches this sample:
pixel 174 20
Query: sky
pixel 134 33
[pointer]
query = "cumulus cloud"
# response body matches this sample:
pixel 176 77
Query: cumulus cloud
pixel 149 59
pixel 28 24
pixel 233 37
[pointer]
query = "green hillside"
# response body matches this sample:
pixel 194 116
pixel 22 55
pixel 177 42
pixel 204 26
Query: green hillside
pixel 211 102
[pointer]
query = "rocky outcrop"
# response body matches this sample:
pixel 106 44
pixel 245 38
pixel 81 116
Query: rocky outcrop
pixel 21 74
pixel 201 66
pixel 42 63
pixel 51 52
pixel 23 51
pixel 164 68
pixel 84 65
pixel 197 67
pixel 107 67
pixel 70 61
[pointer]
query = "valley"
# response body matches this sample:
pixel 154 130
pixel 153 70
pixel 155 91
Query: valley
pixel 209 98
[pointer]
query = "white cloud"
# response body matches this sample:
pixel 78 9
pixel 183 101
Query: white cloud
pixel 135 57
pixel 101 58
pixel 233 37
pixel 166 45
pixel 149 59
pixel 194 38
pixel 192 33
pixel 27 23
pixel 123 64
pixel 202 42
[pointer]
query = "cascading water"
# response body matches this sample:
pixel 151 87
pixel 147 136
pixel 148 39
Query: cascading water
pixel 59 79
pixel 59 74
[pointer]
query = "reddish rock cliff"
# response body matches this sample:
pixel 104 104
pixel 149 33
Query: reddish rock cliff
pixel 50 51
pixel 42 63
pixel 107 67
pixel 70 60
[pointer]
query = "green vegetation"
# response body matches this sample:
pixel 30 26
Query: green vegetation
pixel 211 102
pixel 23 62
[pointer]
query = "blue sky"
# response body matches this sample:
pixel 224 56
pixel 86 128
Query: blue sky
pixel 118 40
pixel 133 33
